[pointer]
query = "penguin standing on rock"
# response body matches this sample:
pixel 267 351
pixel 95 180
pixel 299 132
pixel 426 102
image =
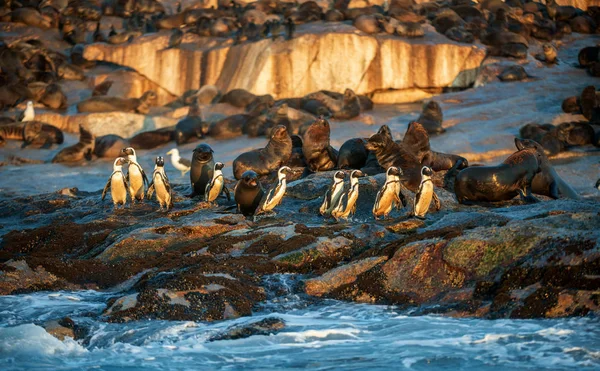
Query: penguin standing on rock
pixel 135 175
pixel 182 164
pixel 117 184
pixel 216 185
pixel 248 192
pixel 347 203
pixel 425 194
pixel 390 195
pixel 333 194
pixel 160 184
pixel 274 196
pixel 28 114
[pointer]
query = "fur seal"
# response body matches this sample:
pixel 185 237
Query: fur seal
pixel 241 98
pixel 152 139
pixel 30 17
pixel 588 55
pixel 229 127
pixel 77 152
pixel 318 153
pixel 266 160
pixel 350 106
pixel 53 97
pixel 247 193
pixel 191 128
pixel 390 153
pixel 575 133
pixel 202 171
pixel 102 88
pixel 39 133
pixel 110 146
pixel 547 182
pixel 501 182
pixel 548 54
pixel 353 154
pixel 112 104
pixel 513 73
pixel 297 157
pixel 432 117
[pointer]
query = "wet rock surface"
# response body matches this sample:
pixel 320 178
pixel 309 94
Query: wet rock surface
pixel 202 263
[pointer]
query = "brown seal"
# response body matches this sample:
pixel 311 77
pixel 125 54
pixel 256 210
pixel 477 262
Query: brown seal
pixel 229 127
pixel 266 160
pixel 431 118
pixel 547 182
pixel 501 182
pixel 417 139
pixel 152 139
pixel 77 152
pixel 116 104
pixel 110 146
pixel 191 128
pixel 318 153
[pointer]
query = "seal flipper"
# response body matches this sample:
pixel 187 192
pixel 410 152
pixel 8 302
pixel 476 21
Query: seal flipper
pixel 526 196
pixel 451 174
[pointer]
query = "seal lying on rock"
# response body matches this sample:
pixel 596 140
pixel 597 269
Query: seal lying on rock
pixel 191 128
pixel 152 139
pixel 116 104
pixel 547 182
pixel 266 160
pixel 77 152
pixel 109 146
pixel 501 182
pixel 318 153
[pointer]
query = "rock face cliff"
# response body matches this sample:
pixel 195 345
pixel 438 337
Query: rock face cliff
pixel 320 56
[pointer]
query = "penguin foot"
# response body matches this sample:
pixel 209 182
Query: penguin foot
pixel 419 217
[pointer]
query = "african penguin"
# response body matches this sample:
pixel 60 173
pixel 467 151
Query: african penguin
pixel 135 175
pixel 247 193
pixel 274 196
pixel 425 194
pixel 217 185
pixel 346 205
pixel 28 114
pixel 182 164
pixel 160 184
pixel 333 194
pixel 117 183
pixel 390 195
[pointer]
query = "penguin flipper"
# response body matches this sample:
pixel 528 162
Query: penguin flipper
pixel 106 187
pixel 436 200
pixel 227 193
pixel 400 196
pixel 150 190
pixel 144 175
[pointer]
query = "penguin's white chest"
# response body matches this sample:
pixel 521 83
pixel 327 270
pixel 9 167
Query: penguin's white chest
pixel 215 191
pixel 424 197
pixel 136 182
pixel 117 188
pixel 275 199
pixel 161 190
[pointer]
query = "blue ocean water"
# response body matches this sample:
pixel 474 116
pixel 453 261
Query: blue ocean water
pixel 320 335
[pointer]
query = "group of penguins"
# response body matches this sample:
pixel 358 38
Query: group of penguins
pixel 339 200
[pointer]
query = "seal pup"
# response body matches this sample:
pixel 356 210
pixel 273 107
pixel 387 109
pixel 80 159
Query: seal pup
pixel 247 193
pixel 266 160
pixel 217 185
pixel 160 184
pixel 390 195
pixel 547 182
pixel 77 152
pixel 425 194
pixel 135 175
pixel 202 169
pixel 548 54
pixel 28 114
pixel 432 117
pixel 182 164
pixel 346 205
pixel 117 184
pixel 318 153
pixel 333 193
pixel 275 194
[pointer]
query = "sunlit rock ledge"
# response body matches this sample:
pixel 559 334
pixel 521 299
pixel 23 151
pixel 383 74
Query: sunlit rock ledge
pixel 332 56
